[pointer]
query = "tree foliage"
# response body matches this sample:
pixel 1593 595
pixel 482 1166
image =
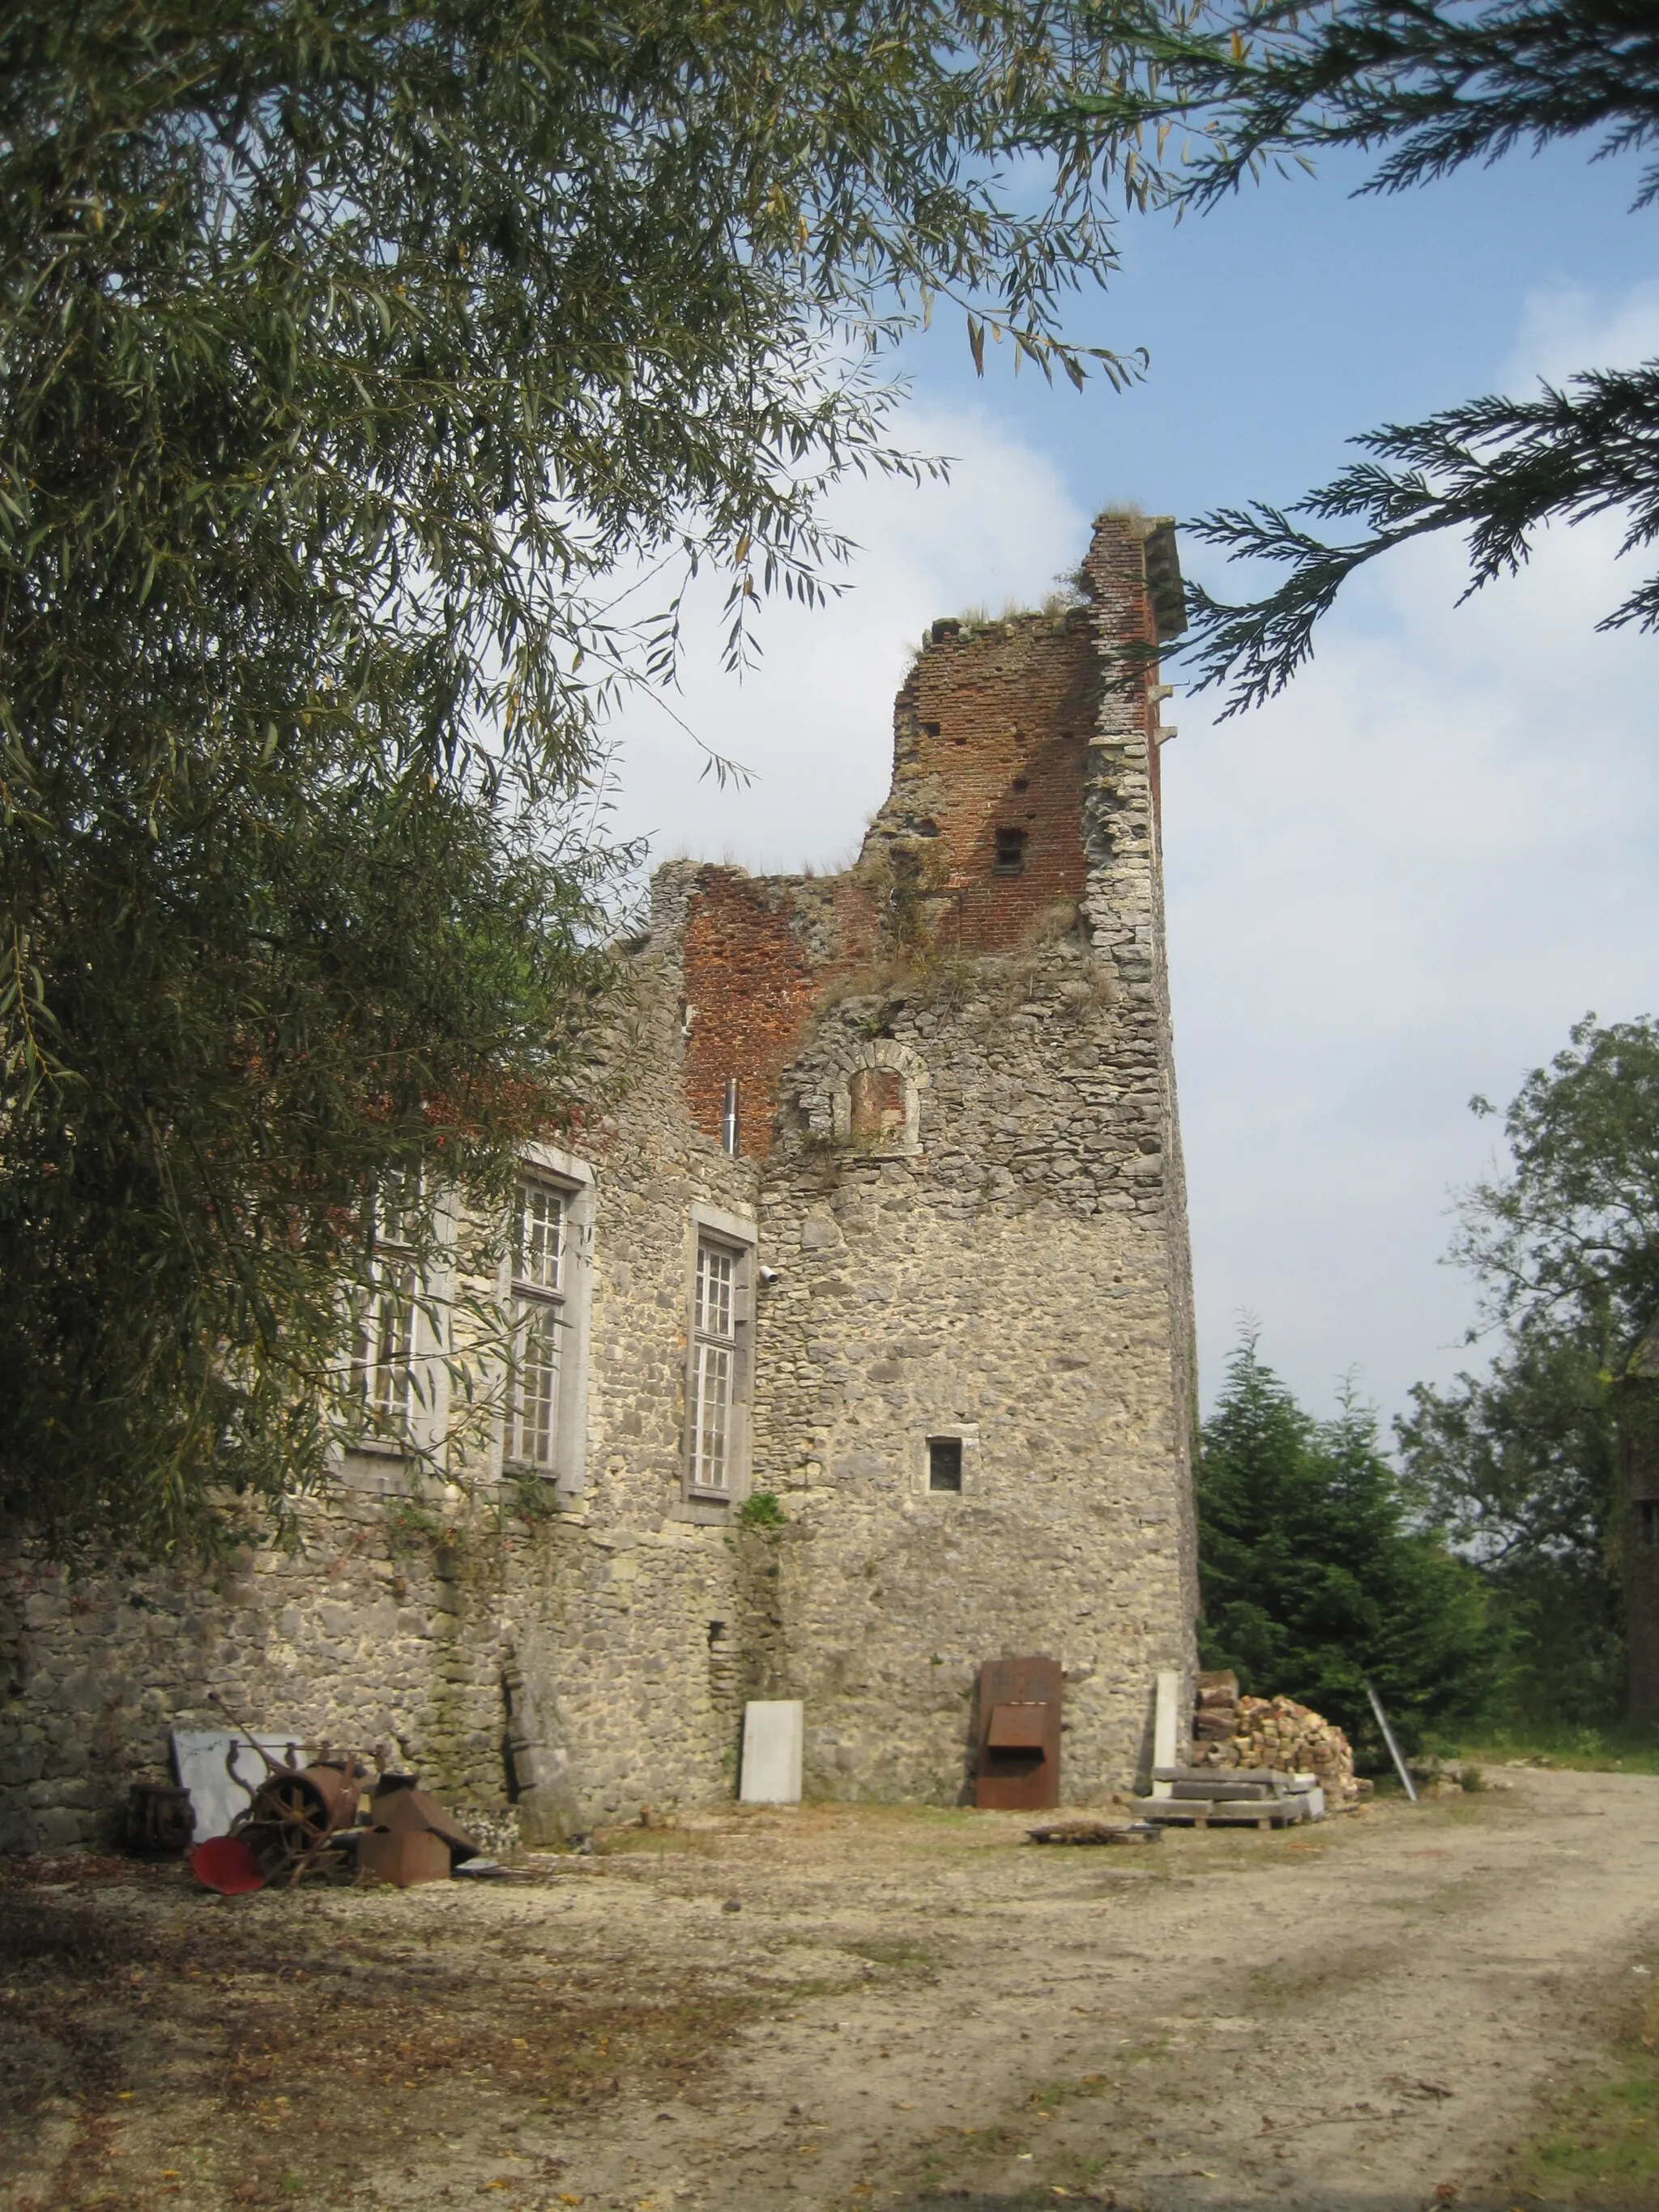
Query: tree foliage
pixel 1573 1232
pixel 358 362
pixel 1316 1575
pixel 1521 1464
pixel 1428 87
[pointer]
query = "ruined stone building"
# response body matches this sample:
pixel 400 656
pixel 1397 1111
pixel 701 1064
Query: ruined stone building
pixel 888 1227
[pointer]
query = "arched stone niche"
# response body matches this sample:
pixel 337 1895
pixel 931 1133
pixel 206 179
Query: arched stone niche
pixel 875 1098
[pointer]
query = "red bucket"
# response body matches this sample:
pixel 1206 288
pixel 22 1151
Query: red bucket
pixel 225 1863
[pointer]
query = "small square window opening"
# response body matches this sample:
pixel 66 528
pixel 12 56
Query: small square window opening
pixel 1011 852
pixel 945 1462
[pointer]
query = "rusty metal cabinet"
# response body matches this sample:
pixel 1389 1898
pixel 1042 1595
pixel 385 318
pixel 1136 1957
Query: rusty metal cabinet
pixel 1019 1735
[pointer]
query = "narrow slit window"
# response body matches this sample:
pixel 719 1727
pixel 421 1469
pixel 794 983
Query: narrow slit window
pixel 539 1294
pixel 714 1367
pixel 1010 852
pixel 945 1462
pixel 1647 1523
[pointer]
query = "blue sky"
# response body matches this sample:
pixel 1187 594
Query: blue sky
pixel 1395 886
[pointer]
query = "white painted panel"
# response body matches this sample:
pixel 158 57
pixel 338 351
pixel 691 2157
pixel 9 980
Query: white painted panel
pixel 774 1733
pixel 1166 1713
pixel 221 1772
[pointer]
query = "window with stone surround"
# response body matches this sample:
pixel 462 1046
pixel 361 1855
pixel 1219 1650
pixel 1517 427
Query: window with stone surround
pixel 875 1098
pixel 546 1285
pixel 718 1357
pixel 877 1104
pixel 944 1461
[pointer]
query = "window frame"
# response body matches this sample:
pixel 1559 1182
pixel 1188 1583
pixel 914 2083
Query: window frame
pixel 572 1179
pixel 965 1433
pixel 422 1423
pixel 887 1057
pixel 735 1235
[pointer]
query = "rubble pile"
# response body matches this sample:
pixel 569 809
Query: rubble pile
pixel 1229 1730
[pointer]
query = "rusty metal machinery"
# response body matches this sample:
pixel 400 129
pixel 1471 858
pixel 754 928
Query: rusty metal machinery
pixel 295 1814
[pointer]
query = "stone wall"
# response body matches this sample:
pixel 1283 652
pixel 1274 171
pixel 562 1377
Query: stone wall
pixel 1002 1262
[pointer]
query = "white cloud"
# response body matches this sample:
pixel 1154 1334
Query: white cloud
pixel 1395 886
pixel 815 722
pixel 1565 328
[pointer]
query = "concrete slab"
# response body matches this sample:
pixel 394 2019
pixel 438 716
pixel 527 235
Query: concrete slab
pixel 1166 1713
pixel 774 1733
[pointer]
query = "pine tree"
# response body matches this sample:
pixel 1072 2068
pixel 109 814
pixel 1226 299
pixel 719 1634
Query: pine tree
pixel 1314 1578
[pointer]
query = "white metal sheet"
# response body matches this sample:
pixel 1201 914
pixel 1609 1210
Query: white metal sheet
pixel 221 1772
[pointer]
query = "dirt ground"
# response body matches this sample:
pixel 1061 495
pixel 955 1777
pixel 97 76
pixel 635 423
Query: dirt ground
pixel 838 2008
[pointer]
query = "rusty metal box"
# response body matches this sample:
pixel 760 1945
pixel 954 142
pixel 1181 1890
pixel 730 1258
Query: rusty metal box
pixel 1018 1767
pixel 404 1856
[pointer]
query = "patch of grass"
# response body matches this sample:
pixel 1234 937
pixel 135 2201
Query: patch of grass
pixel 1054 2096
pixel 900 1953
pixel 1275 1988
pixel 618 1843
pixel 1598 2149
pixel 1627 1747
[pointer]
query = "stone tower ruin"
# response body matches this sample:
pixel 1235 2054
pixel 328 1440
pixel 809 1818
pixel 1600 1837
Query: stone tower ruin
pixel 867 1331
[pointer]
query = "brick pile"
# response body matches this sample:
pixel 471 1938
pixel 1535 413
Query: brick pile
pixel 1229 1730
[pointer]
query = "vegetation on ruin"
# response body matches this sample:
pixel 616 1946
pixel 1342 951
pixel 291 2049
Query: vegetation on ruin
pixel 763 1509
pixel 1241 87
pixel 1317 1574
pixel 373 379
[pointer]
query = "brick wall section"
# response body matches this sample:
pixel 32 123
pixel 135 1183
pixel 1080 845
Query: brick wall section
pixel 991 731
pixel 756 955
pixel 750 992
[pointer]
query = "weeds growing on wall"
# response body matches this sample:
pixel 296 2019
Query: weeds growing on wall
pixel 763 1509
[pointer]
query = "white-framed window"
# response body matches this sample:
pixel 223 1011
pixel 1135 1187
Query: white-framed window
pixel 398 1363
pixel 714 1365
pixel 383 1352
pixel 546 1285
pixel 719 1357
pixel 537 1280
